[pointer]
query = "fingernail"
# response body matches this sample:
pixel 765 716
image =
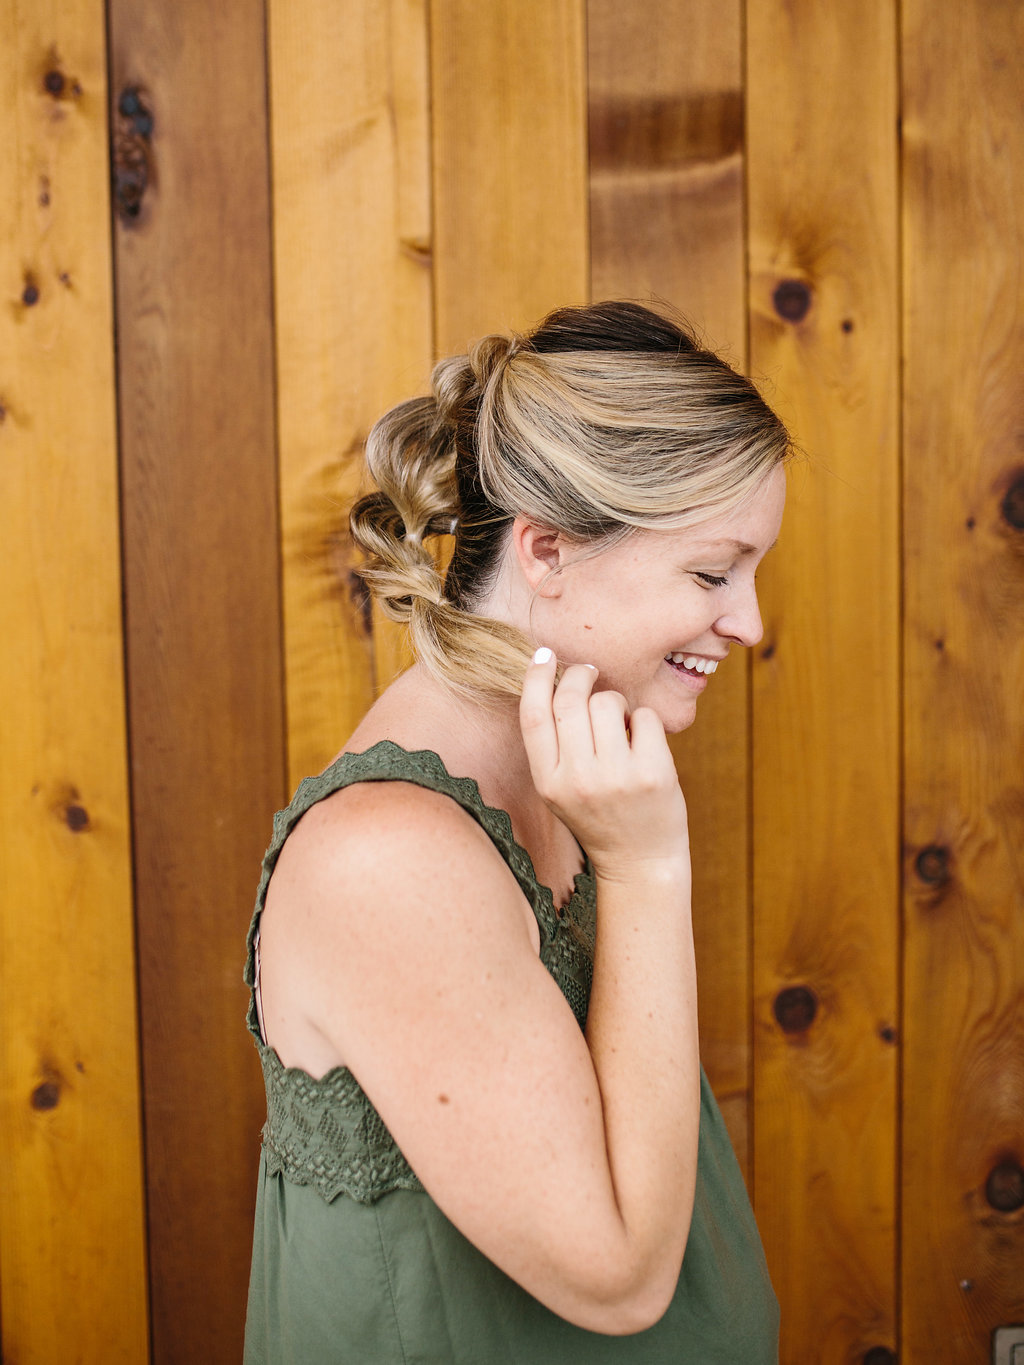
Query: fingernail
pixel 593 666
pixel 543 655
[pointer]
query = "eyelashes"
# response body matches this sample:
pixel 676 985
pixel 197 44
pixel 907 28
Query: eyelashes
pixel 715 580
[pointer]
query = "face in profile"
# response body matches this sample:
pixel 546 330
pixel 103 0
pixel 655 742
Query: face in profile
pixel 659 612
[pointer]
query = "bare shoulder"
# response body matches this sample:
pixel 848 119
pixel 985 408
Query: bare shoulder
pixel 393 829
pixel 382 889
pixel 390 844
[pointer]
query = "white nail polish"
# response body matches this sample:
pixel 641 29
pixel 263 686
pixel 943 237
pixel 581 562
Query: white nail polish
pixel 543 655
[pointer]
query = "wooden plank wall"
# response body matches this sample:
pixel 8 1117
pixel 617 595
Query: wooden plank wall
pixel 72 1219
pixel 309 202
pixel 199 511
pixel 963 868
pixel 353 325
pixel 667 222
pixel 824 308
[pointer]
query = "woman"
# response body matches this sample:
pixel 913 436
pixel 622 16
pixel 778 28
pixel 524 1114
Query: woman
pixel 489 1137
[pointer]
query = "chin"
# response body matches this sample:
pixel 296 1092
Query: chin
pixel 676 718
pixel 676 727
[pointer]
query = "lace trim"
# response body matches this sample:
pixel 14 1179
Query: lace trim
pixel 325 1132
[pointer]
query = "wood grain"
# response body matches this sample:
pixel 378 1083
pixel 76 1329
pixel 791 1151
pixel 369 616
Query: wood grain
pixel 195 358
pixel 666 223
pixel 72 1217
pixel 430 149
pixel 353 252
pixel 665 85
pixel 963 1088
pixel 821 144
pixel 509 164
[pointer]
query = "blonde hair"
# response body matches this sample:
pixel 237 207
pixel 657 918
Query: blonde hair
pixel 605 420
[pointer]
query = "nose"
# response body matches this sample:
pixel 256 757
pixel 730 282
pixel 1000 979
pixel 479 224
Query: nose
pixel 741 622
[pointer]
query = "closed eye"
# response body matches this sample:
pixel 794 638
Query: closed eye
pixel 714 579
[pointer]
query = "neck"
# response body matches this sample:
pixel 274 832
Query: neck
pixel 484 743
pixel 473 739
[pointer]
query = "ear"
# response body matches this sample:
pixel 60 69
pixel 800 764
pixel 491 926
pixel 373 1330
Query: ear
pixel 539 552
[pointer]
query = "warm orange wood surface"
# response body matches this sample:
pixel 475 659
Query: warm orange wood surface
pixel 194 314
pixel 666 222
pixel 822 177
pixel 330 196
pixel 72 1249
pixel 963 1087
pixel 354 326
pixel 508 102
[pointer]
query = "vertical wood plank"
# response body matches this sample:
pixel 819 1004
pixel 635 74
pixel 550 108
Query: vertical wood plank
pixel 963 1088
pixel 201 573
pixel 665 84
pixel 821 145
pixel 352 243
pixel 666 222
pixel 508 89
pixel 72 1241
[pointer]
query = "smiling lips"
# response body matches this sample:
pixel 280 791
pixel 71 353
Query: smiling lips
pixel 691 661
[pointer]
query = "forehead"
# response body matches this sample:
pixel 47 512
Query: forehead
pixel 750 528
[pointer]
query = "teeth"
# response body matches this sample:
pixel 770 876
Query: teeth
pixel 692 662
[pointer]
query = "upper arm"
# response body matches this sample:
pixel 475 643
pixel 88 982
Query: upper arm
pixel 421 970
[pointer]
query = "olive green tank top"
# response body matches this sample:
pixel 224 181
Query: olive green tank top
pixel 354 1262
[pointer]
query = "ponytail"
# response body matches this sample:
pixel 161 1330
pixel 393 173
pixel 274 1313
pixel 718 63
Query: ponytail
pixel 412 454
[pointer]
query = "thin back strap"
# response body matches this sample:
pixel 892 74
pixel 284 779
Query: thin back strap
pixel 257 991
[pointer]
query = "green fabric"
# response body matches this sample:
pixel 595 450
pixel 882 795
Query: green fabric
pixel 325 1132
pixel 353 1261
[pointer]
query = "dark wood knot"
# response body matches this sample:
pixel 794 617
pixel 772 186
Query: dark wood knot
pixel 30 294
pixel 879 1355
pixel 1004 1188
pixel 132 106
pixel 1013 504
pixel 76 817
pixel 53 83
pixel 792 300
pixel 795 1008
pixel 932 865
pixel 46 1095
pixel 132 169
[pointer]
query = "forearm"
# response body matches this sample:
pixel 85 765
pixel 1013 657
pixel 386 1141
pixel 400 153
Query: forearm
pixel 642 1035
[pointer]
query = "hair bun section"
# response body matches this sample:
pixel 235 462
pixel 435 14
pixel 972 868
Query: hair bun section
pixel 410 453
pixel 489 356
pixel 459 382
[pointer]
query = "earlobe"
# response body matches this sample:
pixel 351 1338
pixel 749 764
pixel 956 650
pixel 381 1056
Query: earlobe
pixel 540 552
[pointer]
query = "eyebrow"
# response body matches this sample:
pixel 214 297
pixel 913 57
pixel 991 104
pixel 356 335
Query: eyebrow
pixel 740 546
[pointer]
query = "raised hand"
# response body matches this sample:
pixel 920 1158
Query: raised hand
pixel 606 773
